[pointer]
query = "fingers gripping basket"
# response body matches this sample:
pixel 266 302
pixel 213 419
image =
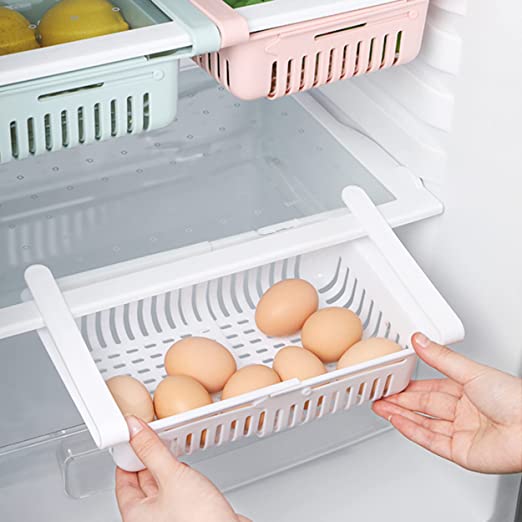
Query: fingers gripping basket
pixel 125 324
pixel 294 58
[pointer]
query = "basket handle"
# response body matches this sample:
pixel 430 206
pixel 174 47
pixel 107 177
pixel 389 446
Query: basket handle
pixel 203 33
pixel 406 268
pixel 70 355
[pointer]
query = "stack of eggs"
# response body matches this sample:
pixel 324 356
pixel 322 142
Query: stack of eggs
pixel 328 335
pixel 198 367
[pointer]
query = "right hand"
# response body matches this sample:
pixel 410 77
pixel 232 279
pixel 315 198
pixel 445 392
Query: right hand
pixel 473 417
pixel 168 490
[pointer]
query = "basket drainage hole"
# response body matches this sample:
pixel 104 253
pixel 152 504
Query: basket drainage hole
pixel 134 350
pixel 268 361
pixel 251 330
pixel 263 350
pixel 244 356
pixel 254 341
pixel 145 370
pixel 279 345
pixel 113 356
pixel 226 326
pixel 150 345
pixel 155 355
pixel 236 346
pixel 243 321
pixel 118 366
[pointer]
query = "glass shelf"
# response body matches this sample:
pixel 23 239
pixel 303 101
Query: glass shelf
pixel 224 168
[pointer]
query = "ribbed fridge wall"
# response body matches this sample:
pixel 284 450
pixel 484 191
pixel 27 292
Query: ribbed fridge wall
pixel 409 111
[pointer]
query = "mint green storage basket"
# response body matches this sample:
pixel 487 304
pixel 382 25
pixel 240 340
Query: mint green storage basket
pixel 86 106
pixel 102 102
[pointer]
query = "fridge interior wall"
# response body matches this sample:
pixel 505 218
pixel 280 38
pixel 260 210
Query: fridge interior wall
pixel 456 125
pixel 410 112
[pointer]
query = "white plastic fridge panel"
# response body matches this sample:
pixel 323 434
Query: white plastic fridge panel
pixel 368 483
pixel 365 482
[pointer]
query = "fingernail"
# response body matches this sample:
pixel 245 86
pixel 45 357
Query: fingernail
pixel 390 418
pixel 134 424
pixel 422 340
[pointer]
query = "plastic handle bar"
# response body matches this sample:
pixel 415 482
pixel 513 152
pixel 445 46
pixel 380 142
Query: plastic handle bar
pixel 232 26
pixel 203 33
pixel 70 354
pixel 422 290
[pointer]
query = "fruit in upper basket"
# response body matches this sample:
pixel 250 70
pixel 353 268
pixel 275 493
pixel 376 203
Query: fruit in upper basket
pixel 294 362
pixel 16 32
pixel 329 332
pixel 131 396
pixel 248 379
pixel 71 20
pixel 177 394
pixel 285 307
pixel 367 350
pixel 203 359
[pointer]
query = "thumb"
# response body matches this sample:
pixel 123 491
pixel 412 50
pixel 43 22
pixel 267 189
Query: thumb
pixel 455 366
pixel 151 451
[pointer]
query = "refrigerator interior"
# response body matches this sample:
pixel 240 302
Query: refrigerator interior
pixel 251 174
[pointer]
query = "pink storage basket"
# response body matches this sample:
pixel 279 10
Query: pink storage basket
pixel 294 58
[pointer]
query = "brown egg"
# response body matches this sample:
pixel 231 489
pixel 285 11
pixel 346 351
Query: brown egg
pixel 367 350
pixel 294 362
pixel 205 360
pixel 330 332
pixel 285 307
pixel 131 396
pixel 179 393
pixel 248 379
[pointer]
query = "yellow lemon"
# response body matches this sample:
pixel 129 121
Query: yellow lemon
pixel 71 20
pixel 16 33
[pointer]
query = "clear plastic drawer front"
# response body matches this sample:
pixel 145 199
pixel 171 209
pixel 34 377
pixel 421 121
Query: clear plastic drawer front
pixel 214 294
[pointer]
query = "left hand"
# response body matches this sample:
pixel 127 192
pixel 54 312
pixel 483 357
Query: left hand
pixel 168 490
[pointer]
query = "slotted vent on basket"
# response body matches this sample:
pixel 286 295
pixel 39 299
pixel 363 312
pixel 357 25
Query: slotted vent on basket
pixel 338 63
pixel 79 125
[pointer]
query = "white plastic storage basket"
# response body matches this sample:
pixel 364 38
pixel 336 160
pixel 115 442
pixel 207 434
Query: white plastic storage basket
pixel 77 107
pixel 287 59
pixel 215 294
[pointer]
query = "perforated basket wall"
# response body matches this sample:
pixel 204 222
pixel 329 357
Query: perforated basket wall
pixel 133 339
pixel 87 106
pixel 295 58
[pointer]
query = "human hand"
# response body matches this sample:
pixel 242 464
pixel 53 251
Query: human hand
pixel 473 418
pixel 168 490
